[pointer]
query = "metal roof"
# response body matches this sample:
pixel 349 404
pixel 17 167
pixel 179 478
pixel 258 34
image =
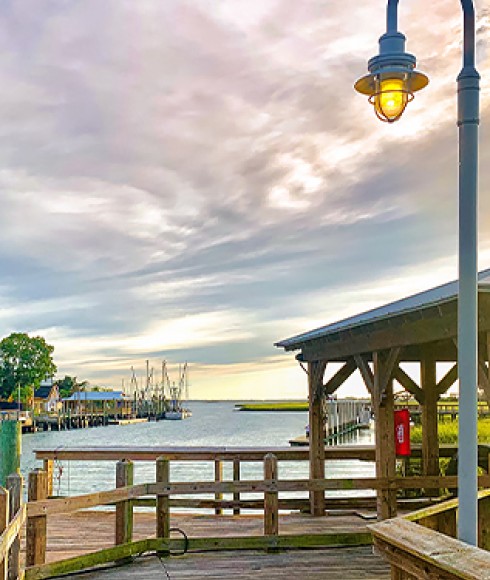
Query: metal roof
pixel 432 297
pixel 97 396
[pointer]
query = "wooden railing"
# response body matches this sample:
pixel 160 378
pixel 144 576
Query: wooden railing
pixel 236 456
pixel 163 491
pixel 12 518
pixel 423 545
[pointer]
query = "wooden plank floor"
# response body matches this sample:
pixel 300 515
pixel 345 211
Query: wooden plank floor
pixel 88 531
pixel 83 532
pixel 331 564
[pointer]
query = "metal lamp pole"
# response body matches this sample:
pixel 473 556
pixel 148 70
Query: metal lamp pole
pixel 390 86
pixel 468 120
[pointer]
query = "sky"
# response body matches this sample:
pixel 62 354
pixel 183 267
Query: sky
pixel 194 180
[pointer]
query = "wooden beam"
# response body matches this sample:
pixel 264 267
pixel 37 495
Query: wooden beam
pixel 483 380
pixel 163 501
pixel 339 377
pixel 380 336
pixel 388 368
pixel 384 432
pixel 36 527
pixel 447 380
pixel 366 372
pixel 408 384
pixel 483 369
pixel 4 522
pixel 430 440
pixel 124 509
pixel 317 433
pixel 271 498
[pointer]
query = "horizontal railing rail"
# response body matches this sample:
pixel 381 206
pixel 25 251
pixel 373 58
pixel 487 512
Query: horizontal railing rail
pixel 332 452
pixel 422 544
pixel 11 532
pixel 100 498
pixel 12 518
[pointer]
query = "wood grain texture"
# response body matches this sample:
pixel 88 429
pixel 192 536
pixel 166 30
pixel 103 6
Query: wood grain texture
pixel 329 564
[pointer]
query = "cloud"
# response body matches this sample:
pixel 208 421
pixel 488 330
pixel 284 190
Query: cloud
pixel 194 180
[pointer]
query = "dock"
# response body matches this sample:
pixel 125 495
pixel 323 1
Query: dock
pixel 236 528
pixel 95 529
pixel 348 564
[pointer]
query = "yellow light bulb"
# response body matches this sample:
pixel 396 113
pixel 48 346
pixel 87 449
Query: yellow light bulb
pixel 392 99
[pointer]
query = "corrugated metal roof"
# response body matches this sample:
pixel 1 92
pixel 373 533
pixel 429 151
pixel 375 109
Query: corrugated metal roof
pixel 431 297
pixel 97 396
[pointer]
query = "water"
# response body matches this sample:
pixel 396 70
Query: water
pixel 211 424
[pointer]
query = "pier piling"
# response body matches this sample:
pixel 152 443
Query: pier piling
pixel 10 449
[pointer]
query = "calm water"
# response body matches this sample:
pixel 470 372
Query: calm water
pixel 211 424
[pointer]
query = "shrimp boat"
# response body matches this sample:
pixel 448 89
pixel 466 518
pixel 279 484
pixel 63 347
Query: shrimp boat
pixel 178 394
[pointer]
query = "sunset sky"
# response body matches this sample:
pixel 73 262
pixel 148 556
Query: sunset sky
pixel 195 180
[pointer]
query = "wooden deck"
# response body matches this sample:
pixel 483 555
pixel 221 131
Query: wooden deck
pixel 83 532
pixel 332 564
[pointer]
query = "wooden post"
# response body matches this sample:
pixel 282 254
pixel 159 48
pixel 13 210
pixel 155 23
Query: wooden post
pixel 163 502
pixel 4 520
pixel 48 467
pixel 10 448
pixel 484 523
pixel 396 573
pixel 37 489
pixel 236 477
pixel 14 487
pixel 430 440
pixel 218 478
pixel 385 436
pixel 447 523
pixel 271 500
pixel 124 509
pixel 317 435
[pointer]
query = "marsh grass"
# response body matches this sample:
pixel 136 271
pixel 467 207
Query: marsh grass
pixel 282 406
pixel 448 432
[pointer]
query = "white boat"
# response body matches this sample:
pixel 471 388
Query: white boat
pixel 177 415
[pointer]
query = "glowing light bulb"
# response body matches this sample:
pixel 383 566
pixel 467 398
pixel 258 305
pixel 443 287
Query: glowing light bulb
pixel 391 99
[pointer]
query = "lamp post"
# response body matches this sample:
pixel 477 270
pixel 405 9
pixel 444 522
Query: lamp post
pixel 390 85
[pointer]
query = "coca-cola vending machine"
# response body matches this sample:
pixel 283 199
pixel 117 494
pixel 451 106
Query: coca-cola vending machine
pixel 402 432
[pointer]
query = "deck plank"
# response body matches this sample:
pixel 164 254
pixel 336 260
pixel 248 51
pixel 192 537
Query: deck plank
pixel 71 535
pixel 332 564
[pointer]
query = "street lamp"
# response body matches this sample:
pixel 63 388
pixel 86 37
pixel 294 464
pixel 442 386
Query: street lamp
pixel 390 86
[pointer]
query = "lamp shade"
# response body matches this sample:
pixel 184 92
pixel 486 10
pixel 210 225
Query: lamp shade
pixel 392 79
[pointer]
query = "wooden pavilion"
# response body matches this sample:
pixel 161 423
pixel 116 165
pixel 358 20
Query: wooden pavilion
pixel 419 329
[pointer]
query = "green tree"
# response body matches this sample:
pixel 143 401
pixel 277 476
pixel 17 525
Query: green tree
pixel 24 362
pixel 69 385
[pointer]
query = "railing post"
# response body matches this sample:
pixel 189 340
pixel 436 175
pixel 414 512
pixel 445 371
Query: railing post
pixel 218 478
pixel 271 501
pixel 447 523
pixel 4 520
pixel 484 523
pixel 48 467
pixel 14 486
pixel 163 502
pixel 124 509
pixel 37 489
pixel 396 573
pixel 236 477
